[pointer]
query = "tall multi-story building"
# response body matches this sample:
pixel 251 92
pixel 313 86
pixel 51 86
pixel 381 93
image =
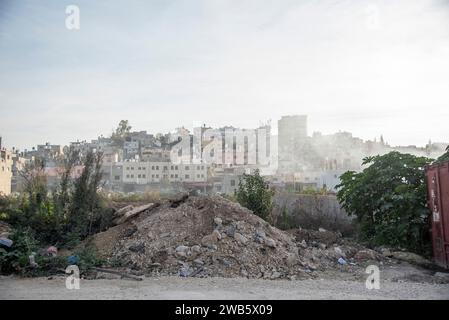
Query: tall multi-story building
pixel 292 135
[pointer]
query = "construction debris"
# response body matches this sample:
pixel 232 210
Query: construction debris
pixel 202 236
pixel 129 212
pixel 411 257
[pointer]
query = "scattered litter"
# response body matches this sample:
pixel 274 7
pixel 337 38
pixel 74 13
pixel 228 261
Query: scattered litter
pixel 51 251
pixel 73 260
pixel 6 242
pixel 32 260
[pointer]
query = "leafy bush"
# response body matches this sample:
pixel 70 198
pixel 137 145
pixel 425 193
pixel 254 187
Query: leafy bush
pixel 63 218
pixel 88 258
pixel 254 193
pixel 389 200
pixel 16 259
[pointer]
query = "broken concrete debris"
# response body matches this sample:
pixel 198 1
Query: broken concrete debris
pixel 203 236
pixel 122 215
pixel 138 248
pixel 270 242
pixel 240 238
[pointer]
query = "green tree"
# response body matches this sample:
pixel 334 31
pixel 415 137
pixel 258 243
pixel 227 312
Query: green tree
pixel 444 156
pixel 389 200
pixel 85 202
pixel 61 196
pixel 121 132
pixel 35 183
pixel 254 193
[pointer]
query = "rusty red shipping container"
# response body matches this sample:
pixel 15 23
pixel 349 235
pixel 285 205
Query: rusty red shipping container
pixel 437 177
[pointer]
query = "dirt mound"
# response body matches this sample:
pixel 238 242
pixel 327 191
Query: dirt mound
pixel 211 236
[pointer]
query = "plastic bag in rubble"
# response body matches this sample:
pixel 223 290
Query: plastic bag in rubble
pixel 73 260
pixel 6 242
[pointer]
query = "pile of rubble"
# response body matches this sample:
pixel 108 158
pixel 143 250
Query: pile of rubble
pixel 212 236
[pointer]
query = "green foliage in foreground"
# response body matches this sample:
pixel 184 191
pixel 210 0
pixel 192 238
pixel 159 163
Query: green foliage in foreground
pixel 254 193
pixel 62 218
pixel 389 199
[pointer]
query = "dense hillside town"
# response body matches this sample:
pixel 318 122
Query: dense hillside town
pixel 211 160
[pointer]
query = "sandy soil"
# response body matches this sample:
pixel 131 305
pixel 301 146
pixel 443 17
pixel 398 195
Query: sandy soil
pixel 216 288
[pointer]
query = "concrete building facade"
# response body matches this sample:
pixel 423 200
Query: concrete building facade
pixel 5 171
pixel 292 135
pixel 138 172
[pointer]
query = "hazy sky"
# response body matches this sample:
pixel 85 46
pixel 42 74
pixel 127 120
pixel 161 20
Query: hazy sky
pixel 368 67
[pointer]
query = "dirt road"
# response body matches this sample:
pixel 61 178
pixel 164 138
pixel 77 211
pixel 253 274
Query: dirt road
pixel 216 288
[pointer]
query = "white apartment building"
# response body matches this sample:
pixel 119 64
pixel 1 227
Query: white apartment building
pixel 139 172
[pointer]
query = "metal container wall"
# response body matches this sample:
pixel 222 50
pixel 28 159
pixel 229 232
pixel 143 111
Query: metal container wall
pixel 438 199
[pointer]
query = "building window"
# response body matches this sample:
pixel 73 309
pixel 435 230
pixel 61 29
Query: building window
pixel 176 176
pixel 197 175
pixel 232 183
pixel 117 177
pixel 157 167
pixel 127 175
pixel 176 167
pixel 171 176
pixel 139 176
pixel 132 176
pixel 187 176
pixel 165 168
pixel 144 176
pixel 187 168
pixel 152 167
pixel 171 168
pixel 198 168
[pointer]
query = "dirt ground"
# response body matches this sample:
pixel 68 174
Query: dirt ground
pixel 402 282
